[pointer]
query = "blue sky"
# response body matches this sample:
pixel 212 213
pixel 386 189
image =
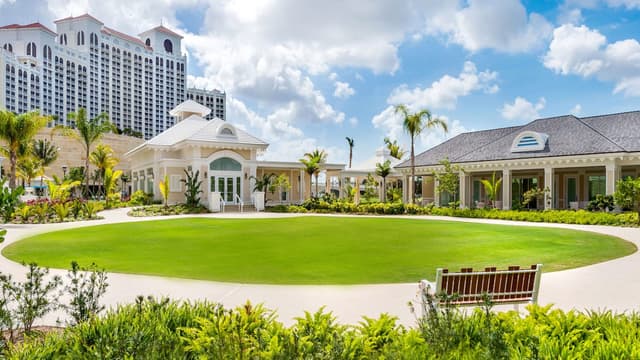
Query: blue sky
pixel 305 74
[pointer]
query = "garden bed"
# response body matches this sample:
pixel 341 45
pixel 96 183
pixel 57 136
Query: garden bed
pixel 161 210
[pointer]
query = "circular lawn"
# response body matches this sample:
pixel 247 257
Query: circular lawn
pixel 313 250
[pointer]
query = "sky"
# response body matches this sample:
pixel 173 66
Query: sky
pixel 304 74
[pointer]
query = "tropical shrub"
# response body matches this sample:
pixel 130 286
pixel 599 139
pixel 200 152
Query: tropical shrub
pixel 9 200
pixel 192 188
pixel 90 209
pixel 62 210
pixel 158 210
pixel 85 287
pixel 601 203
pixel 139 198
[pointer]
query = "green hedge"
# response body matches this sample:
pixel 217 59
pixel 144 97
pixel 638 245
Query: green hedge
pixel 151 329
pixel 551 216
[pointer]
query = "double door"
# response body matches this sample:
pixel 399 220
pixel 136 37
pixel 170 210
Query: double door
pixel 227 186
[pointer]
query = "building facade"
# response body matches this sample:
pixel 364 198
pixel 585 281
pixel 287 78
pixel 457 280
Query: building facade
pixel 215 100
pixel 135 80
pixel 571 160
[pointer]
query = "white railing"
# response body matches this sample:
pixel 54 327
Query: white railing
pixel 239 201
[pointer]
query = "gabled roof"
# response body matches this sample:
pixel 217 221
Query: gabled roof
pixel 568 135
pixel 35 25
pixel 165 30
pixel 198 130
pixel 83 16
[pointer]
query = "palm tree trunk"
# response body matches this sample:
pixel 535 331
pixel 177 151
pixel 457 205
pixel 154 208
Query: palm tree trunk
pixel 86 172
pixel 316 185
pixel 310 186
pixel 350 156
pixel 13 158
pixel 384 189
pixel 413 172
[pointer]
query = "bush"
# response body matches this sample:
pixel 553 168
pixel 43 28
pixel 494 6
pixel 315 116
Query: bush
pixel 139 198
pixel 162 329
pixel 161 210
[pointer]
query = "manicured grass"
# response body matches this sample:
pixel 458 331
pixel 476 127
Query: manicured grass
pixel 313 250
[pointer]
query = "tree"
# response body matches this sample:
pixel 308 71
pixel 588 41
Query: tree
pixel 164 190
pixel 319 156
pixel 87 132
pixel 394 149
pixel 310 167
pixel 45 151
pixel 351 145
pixel 9 199
pixel 383 170
pixel 109 181
pixel 102 157
pixel 29 168
pixel 124 179
pixel 281 183
pixel 370 186
pixel 414 124
pixel 627 194
pixel 17 131
pixel 448 179
pixel 262 183
pixel 192 188
pixel 492 187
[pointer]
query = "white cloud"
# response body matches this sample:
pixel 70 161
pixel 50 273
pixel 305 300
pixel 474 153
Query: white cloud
pixel 444 93
pixel 579 50
pixel 7 2
pixel 343 90
pixel 432 137
pixel 523 110
pixel 503 25
pixel 576 110
pixel 353 121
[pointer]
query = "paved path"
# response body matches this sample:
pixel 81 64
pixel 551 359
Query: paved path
pixel 612 285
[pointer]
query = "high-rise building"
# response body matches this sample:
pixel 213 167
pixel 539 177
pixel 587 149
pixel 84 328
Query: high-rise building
pixel 135 80
pixel 215 100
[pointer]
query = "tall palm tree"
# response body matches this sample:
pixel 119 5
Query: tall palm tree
pixel 320 157
pixel 87 132
pixel 383 170
pixel 17 131
pixel 102 157
pixel 414 124
pixel 394 149
pixel 310 167
pixel 45 151
pixel 351 145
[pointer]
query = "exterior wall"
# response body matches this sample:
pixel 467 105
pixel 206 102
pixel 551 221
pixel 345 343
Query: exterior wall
pixel 294 191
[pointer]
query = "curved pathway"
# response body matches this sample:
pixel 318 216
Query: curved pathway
pixel 611 285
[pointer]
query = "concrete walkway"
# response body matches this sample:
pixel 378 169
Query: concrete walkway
pixel 611 285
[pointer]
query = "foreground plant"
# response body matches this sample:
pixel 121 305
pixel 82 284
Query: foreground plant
pixel 192 188
pixel 86 286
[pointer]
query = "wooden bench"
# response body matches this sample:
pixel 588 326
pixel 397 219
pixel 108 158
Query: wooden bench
pixel 511 286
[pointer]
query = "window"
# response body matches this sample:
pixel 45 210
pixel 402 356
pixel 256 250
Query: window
pixel 597 186
pixel 168 46
pixel 31 49
pixel 8 47
pixel 225 164
pixel 529 141
pixel 226 131
pixel 175 185
pixel 147 42
pixel 80 38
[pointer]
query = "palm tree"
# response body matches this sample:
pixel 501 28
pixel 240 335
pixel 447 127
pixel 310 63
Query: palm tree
pixel 351 144
pixel 102 157
pixel 383 170
pixel 394 149
pixel 414 124
pixel 45 151
pixel 491 188
pixel 28 168
pixel 17 131
pixel 109 181
pixel 262 183
pixel 310 167
pixel 320 156
pixel 87 132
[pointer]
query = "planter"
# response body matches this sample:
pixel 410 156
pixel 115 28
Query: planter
pixel 258 197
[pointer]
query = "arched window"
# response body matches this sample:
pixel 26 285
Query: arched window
pixel 31 49
pixel 529 141
pixel 8 47
pixel 225 164
pixel 80 38
pixel 147 42
pixel 226 131
pixel 168 46
pixel 63 39
pixel 46 52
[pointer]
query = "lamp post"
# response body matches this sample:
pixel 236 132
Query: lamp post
pixel 64 171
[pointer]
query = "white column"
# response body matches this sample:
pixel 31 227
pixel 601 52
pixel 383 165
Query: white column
pixel 436 193
pixel 506 189
pixel 302 184
pixel 464 190
pixel 612 175
pixel 405 189
pixel 548 185
pixel 343 184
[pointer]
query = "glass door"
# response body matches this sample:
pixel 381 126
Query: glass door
pixel 572 190
pixel 228 186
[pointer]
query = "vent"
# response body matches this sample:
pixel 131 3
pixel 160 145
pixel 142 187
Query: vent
pixel 529 141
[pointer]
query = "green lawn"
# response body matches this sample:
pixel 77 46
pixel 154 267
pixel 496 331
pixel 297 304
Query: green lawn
pixel 313 250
